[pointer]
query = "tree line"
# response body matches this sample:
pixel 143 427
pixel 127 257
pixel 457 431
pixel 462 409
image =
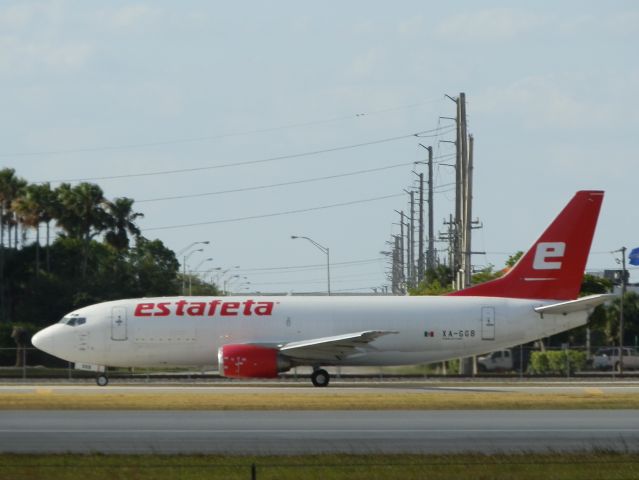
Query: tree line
pixel 92 251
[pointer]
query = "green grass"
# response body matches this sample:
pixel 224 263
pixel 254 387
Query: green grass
pixel 609 466
pixel 313 399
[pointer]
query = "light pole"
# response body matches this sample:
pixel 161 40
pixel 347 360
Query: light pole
pixel 244 286
pixel 194 271
pixel 185 249
pixel 186 259
pixel 622 250
pixel 324 250
pixel 210 271
pixel 228 282
pixel 219 278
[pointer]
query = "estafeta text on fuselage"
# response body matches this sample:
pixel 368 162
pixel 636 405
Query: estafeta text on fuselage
pixel 209 308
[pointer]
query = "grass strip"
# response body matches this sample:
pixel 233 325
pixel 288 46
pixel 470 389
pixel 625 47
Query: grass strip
pixel 556 466
pixel 319 399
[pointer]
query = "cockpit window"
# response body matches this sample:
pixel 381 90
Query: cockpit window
pixel 73 321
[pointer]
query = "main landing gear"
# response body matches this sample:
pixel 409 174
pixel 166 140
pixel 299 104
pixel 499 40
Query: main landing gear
pixel 102 380
pixel 320 377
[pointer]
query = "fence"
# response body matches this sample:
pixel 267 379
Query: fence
pixel 522 362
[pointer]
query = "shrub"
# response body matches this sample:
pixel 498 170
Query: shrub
pixel 557 362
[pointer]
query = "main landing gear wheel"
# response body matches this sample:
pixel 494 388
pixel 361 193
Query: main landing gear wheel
pixel 102 380
pixel 320 377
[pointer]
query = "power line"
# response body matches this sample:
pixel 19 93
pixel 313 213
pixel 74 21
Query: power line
pixel 338 279
pixel 276 214
pixel 275 185
pixel 238 164
pixel 215 137
pixel 290 270
pixel 315 265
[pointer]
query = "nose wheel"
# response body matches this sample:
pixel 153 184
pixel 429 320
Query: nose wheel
pixel 102 380
pixel 320 377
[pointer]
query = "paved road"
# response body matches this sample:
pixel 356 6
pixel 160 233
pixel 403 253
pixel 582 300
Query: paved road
pixel 312 432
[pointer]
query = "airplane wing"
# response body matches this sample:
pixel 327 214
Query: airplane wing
pixel 332 348
pixel 583 303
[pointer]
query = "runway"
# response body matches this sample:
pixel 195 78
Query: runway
pixel 299 432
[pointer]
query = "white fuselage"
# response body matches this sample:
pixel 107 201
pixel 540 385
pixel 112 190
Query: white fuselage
pixel 429 329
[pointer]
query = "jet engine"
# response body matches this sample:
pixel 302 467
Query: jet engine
pixel 251 361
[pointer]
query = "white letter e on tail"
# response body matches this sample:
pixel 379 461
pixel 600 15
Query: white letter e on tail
pixel 546 250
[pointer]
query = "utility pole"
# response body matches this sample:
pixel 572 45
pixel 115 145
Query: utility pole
pixel 463 206
pixel 420 258
pixel 395 270
pixel 430 259
pixel 411 240
pixel 461 267
pixel 430 253
pixel 458 196
pixel 468 227
pixel 450 238
pixel 460 165
pixel 622 250
pixel 402 250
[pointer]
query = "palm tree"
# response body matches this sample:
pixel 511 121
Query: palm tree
pixel 10 188
pixel 49 209
pixel 81 214
pixel 27 208
pixel 121 222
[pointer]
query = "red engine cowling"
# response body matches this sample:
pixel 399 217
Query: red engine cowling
pixel 250 361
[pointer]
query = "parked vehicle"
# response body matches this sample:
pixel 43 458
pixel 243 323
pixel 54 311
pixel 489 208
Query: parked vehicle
pixel 502 360
pixel 608 359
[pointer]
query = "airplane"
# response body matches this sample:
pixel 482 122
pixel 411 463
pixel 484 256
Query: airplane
pixel 262 336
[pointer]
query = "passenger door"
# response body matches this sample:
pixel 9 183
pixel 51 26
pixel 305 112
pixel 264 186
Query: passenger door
pixel 488 323
pixel 118 324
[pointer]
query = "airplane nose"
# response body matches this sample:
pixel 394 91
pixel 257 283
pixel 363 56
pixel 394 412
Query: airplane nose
pixel 43 340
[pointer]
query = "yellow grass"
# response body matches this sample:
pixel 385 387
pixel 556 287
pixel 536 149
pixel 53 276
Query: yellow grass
pixel 317 399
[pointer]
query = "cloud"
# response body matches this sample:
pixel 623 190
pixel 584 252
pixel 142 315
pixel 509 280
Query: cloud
pixel 363 65
pixel 23 14
pixel 540 102
pixel 130 15
pixel 492 24
pixel 411 27
pixel 17 56
pixel 625 23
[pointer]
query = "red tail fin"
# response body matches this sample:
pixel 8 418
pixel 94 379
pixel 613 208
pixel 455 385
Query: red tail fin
pixel 553 268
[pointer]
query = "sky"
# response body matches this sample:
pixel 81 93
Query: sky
pixel 238 95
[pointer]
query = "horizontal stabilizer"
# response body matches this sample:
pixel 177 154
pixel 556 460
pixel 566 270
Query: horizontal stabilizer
pixel 581 304
pixel 327 348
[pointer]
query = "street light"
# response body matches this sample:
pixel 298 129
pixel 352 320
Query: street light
pixel 219 278
pixel 228 282
pixel 193 271
pixel 622 250
pixel 324 250
pixel 210 271
pixel 187 248
pixel 186 259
